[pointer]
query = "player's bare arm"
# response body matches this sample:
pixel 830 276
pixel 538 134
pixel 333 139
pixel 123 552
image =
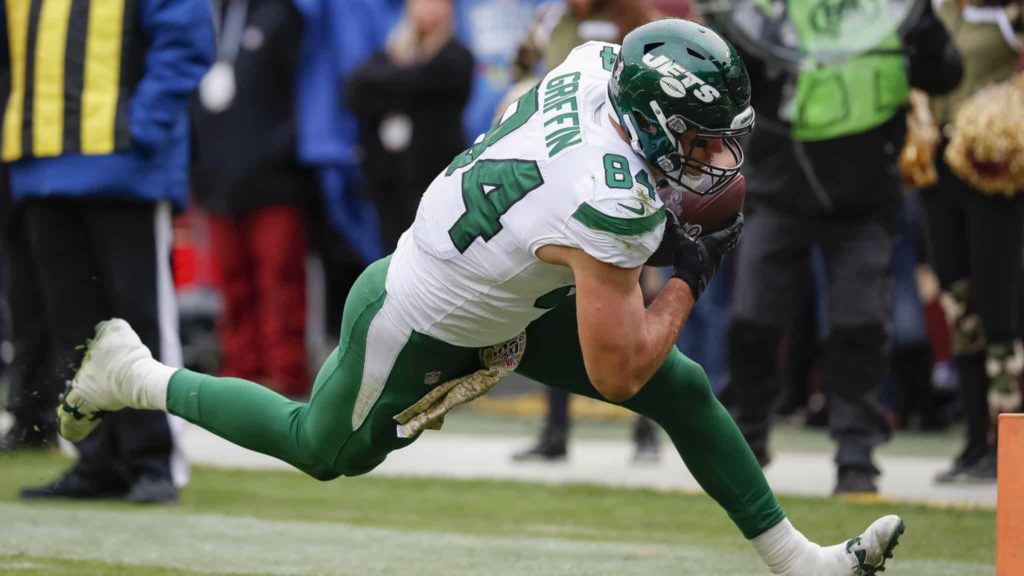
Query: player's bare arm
pixel 623 342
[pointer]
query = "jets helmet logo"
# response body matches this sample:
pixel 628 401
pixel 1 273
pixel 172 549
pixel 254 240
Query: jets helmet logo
pixel 676 80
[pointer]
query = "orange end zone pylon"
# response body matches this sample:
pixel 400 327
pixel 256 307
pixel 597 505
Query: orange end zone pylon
pixel 1010 511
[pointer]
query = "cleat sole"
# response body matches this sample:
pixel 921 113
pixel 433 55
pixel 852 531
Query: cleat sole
pixel 887 553
pixel 73 424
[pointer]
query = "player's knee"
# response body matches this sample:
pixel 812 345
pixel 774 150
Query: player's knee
pixel 324 459
pixel 354 459
pixel 679 386
pixel 618 390
pixel 323 466
pixel 323 473
pixel 694 386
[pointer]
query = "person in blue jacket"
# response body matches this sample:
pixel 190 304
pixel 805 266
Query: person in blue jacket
pixel 337 38
pixel 96 136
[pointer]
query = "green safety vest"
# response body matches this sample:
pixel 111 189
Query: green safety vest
pixel 841 96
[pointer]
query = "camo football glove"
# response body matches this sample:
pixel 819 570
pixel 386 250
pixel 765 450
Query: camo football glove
pixel 695 260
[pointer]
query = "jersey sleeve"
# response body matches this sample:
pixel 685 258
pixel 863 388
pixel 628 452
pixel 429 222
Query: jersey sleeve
pixel 618 227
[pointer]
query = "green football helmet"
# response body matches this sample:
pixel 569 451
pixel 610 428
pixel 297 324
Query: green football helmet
pixel 673 77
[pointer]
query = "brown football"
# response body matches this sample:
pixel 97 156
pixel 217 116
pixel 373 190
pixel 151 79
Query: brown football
pixel 716 211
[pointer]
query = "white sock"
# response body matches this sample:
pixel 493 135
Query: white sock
pixel 836 560
pixel 786 551
pixel 149 385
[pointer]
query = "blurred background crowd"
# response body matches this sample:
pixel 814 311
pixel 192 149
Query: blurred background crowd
pixel 230 206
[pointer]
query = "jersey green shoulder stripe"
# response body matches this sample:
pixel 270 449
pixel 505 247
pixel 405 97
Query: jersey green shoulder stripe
pixel 596 220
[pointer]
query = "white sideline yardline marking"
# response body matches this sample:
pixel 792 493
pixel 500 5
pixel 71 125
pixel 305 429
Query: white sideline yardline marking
pixel 905 479
pixel 225 544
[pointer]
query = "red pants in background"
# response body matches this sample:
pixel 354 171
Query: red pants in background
pixel 261 257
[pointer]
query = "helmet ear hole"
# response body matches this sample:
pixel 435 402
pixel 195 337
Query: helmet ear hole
pixel 642 123
pixel 695 54
pixel 651 46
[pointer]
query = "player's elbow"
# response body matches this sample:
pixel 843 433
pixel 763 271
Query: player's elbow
pixel 618 374
pixel 618 388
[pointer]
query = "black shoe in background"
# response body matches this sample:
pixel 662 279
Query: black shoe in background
pixel 76 486
pixel 763 457
pixel 647 451
pixel 153 490
pixel 27 438
pixel 645 441
pixel 855 481
pixel 984 471
pixel 551 447
pixel 955 474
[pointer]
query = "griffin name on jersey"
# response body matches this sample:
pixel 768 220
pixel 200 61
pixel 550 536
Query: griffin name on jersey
pixel 552 171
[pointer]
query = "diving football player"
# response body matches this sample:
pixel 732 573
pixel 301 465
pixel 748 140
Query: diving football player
pixel 540 228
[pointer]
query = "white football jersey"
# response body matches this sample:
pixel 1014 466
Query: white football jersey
pixel 552 171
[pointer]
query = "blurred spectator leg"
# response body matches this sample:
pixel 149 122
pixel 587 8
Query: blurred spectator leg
pixel 341 264
pixel 858 256
pixel 106 254
pixel 60 246
pixel 974 392
pixel 753 386
pixel 910 397
pixel 975 239
pixel 771 265
pixel 132 243
pixel 278 248
pixel 855 365
pixel 645 440
pixel 238 326
pixel 552 444
pixel 800 353
pixel 996 227
pixel 946 218
pixel 922 409
pixel 33 384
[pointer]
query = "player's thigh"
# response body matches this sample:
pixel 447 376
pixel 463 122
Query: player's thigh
pixel 380 368
pixel 554 357
pixel 553 354
pixel 772 267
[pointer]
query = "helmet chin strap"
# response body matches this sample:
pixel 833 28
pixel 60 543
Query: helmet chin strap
pixel 634 138
pixel 663 120
pixel 680 174
pixel 628 124
pixel 679 180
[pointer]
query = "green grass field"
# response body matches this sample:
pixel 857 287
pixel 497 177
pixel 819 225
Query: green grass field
pixel 241 522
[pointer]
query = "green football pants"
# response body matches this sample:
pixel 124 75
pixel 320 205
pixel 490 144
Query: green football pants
pixel 381 366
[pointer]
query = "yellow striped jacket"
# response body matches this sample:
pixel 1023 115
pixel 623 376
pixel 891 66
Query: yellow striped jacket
pixel 73 67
